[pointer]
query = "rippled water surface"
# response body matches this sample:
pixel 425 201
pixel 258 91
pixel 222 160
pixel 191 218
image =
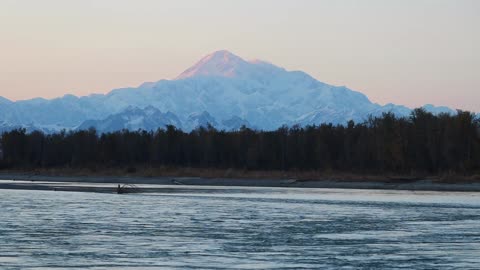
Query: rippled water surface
pixel 248 228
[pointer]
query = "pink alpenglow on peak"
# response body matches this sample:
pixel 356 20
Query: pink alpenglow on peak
pixel 226 64
pixel 220 63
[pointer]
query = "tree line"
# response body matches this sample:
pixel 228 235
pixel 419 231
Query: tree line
pixel 422 142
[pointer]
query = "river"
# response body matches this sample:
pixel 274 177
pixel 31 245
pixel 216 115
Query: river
pixel 240 228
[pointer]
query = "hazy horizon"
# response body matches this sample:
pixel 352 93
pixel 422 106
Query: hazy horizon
pixel 403 52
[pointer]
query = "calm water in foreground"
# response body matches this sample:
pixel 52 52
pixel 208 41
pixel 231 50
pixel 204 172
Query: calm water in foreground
pixel 248 228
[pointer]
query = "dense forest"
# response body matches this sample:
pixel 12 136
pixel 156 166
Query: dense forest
pixel 423 142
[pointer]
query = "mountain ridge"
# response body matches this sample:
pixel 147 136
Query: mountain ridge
pixel 222 85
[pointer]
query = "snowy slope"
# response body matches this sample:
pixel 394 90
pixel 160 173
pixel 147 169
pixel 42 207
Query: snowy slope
pixel 132 119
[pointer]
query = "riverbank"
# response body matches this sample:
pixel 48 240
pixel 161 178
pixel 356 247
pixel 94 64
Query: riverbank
pixel 109 184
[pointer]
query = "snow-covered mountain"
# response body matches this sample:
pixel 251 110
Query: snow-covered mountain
pixel 438 109
pixel 222 90
pixel 149 118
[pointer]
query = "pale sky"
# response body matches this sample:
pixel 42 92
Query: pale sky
pixel 409 52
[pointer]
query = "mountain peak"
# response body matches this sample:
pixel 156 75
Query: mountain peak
pixel 220 63
pixel 222 55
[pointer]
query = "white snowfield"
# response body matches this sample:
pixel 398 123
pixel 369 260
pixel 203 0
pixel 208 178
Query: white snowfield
pixel 222 90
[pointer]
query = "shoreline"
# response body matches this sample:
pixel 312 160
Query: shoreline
pixel 108 184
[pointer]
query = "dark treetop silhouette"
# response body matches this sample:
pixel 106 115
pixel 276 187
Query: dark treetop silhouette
pixel 422 143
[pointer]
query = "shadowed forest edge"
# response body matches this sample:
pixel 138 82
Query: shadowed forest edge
pixel 422 144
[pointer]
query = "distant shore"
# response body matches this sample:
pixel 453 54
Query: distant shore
pixel 108 183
